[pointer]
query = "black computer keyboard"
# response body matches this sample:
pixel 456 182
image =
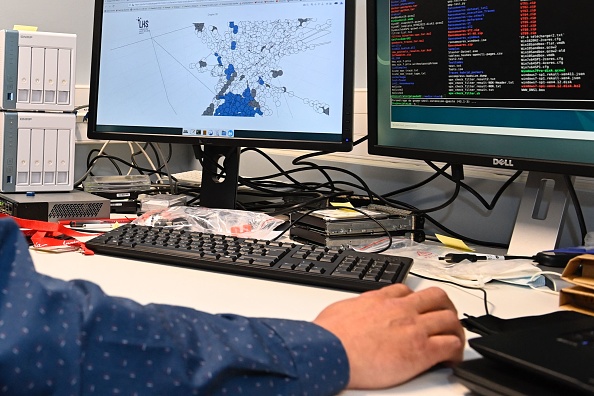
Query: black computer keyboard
pixel 285 261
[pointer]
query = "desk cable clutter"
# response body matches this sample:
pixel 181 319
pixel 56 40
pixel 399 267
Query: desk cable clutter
pixel 37 119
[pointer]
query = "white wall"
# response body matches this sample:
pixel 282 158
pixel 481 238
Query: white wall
pixel 60 16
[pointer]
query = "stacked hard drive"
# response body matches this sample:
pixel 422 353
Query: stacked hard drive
pixel 122 191
pixel 344 227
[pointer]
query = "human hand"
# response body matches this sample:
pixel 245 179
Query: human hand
pixel 393 334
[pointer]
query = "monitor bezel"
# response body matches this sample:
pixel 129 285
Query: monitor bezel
pixel 135 133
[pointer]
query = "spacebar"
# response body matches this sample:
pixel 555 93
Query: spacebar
pixel 347 274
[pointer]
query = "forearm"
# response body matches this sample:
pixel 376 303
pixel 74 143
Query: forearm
pixel 192 351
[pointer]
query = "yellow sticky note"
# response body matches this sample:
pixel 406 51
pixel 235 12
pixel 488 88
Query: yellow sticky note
pixel 347 205
pixel 25 27
pixel 453 242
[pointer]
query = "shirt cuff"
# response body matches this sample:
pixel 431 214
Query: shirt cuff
pixel 319 356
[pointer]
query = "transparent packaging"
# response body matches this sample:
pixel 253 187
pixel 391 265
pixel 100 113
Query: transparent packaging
pixel 117 183
pixel 217 221
pixel 160 201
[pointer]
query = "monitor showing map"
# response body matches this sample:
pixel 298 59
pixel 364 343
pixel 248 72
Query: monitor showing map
pixel 256 73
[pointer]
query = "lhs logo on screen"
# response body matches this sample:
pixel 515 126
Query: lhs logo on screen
pixel 503 162
pixel 143 25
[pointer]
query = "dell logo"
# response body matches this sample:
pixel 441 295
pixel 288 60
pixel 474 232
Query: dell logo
pixel 503 162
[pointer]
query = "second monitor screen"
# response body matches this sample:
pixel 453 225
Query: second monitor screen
pixel 489 78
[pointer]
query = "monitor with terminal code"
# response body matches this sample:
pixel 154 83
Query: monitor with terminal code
pixel 224 74
pixel 503 84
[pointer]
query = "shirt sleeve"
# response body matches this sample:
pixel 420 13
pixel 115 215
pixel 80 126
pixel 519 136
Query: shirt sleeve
pixel 70 338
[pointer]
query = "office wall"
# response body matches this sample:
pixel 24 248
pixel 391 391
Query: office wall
pixel 465 216
pixel 61 16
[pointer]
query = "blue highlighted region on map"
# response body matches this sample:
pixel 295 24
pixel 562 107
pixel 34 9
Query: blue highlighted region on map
pixel 238 105
pixel 229 71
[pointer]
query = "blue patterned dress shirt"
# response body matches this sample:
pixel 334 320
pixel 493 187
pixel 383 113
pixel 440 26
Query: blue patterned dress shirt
pixel 70 338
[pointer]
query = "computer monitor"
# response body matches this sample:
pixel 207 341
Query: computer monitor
pixel 222 75
pixel 503 84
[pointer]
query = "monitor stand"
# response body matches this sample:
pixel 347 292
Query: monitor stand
pixel 540 216
pixel 219 189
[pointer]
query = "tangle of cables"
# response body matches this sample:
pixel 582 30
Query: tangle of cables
pixel 284 191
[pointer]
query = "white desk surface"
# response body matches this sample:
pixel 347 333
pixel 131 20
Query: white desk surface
pixel 220 293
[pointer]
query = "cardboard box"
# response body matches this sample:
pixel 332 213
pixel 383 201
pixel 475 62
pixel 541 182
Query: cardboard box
pixel 580 272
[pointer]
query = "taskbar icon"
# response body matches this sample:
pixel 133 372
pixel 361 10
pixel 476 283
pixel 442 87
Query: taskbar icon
pixel 208 132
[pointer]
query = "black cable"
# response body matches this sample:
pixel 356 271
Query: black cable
pixel 322 169
pixel 157 156
pixel 318 194
pixel 133 158
pixel 304 167
pixel 91 162
pixel 360 140
pixel 298 206
pixel 442 227
pixel 445 204
pixel 310 187
pixel 488 206
pixel 95 159
pixel 485 300
pixel 318 153
pixel 297 159
pixel 276 184
pixel 219 171
pixel 332 185
pixel 159 167
pixel 441 171
pixel 335 193
pixel 417 185
pixel 397 204
pixel 315 166
pixel 274 163
pixel 403 205
pixel 415 210
pixel 441 206
pixel 362 183
pixel 455 170
pixel 268 185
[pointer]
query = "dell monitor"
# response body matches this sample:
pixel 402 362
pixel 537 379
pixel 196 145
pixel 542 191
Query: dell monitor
pixel 224 74
pixel 494 83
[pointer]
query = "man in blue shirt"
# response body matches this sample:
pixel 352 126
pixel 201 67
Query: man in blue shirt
pixel 69 338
